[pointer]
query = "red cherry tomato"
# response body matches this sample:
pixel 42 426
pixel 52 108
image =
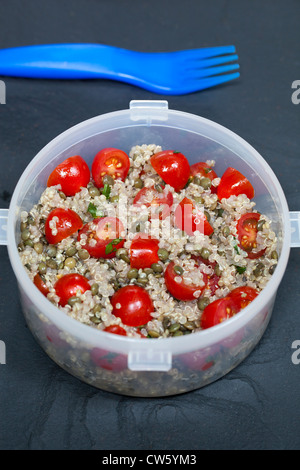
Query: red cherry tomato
pixel 112 162
pixel 72 174
pixel 180 290
pixel 53 336
pixel 143 251
pixel 102 237
pixel 173 167
pixel 116 330
pixel 40 284
pixel 190 219
pixel 133 305
pixel 109 360
pixel 213 279
pixel 247 232
pixel 217 312
pixel 160 203
pixel 68 285
pixel 234 183
pixel 60 224
pixel 205 171
pixel 243 296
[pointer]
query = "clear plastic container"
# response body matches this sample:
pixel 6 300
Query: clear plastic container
pixel 147 367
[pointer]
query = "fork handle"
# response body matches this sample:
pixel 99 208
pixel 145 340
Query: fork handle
pixel 67 61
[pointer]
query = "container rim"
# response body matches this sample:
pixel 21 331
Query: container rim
pixel 179 344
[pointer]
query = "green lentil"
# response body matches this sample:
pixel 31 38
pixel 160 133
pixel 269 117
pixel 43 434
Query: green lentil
pixel 178 270
pixel 120 252
pixel 163 254
pixel 31 220
pixel 143 281
pixel 94 288
pixel 28 266
pixel 218 270
pixel 274 255
pixel 62 195
pixel 114 199
pixel 189 325
pixel 29 243
pixel 83 254
pixel 260 225
pixel 71 251
pixel 96 320
pixel 51 251
pixel 25 234
pixel 205 183
pixel 51 264
pixel 272 269
pixel 258 270
pixel 42 268
pixel 205 253
pixel 199 199
pixel 133 273
pixel 38 247
pixel 157 268
pixel 158 188
pixel 202 303
pixel 166 322
pixel 207 215
pixel 174 327
pixel 148 271
pixel 23 226
pixel 153 334
pixel 70 263
pixel 220 212
pixel 226 231
pixel 73 300
pixel 94 192
pixel 177 333
pixel 138 183
pixel 197 180
pixel 107 179
pixel 97 309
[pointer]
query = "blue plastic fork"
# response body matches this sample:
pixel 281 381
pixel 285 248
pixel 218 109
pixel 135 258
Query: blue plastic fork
pixel 169 73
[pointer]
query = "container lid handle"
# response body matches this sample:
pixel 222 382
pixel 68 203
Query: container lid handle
pixel 3 226
pixel 295 229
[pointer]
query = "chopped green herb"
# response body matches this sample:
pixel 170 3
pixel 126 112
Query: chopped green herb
pixel 110 246
pixel 94 211
pixel 176 151
pixel 106 191
pixel 236 247
pixel 241 269
pixel 207 170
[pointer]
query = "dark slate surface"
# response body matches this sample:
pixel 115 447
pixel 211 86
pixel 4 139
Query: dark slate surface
pixel 256 406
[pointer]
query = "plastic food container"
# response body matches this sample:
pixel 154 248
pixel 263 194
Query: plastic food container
pixel 149 367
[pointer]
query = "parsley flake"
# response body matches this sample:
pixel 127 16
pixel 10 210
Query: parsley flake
pixel 241 269
pixel 106 191
pixel 110 246
pixel 94 211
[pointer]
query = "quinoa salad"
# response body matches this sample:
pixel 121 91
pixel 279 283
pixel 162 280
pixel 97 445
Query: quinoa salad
pixel 147 246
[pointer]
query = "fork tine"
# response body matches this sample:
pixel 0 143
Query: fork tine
pixel 211 71
pixel 208 52
pixel 213 81
pixel 214 61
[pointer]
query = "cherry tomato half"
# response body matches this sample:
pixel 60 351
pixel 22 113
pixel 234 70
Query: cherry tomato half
pixel 180 290
pixel 160 202
pixel 173 167
pixel 72 174
pixel 190 219
pixel 60 224
pixel 109 360
pixel 133 305
pixel 218 311
pixel 40 284
pixel 102 237
pixel 116 330
pixel 68 285
pixel 243 296
pixel 197 361
pixel 247 232
pixel 203 170
pixel 112 162
pixel 143 251
pixel 234 183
